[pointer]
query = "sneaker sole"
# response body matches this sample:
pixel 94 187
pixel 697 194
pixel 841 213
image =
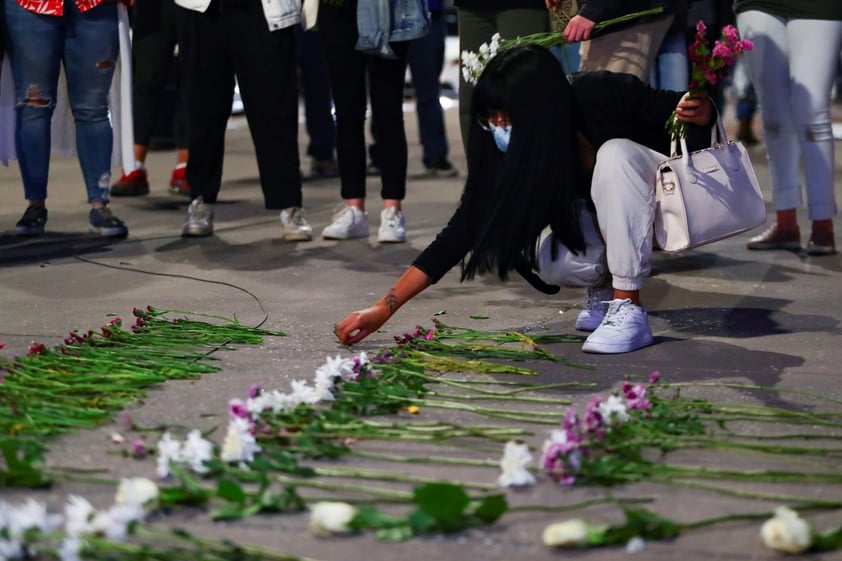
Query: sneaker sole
pixel 177 191
pixel 390 239
pixel 298 237
pixel 133 193
pixel 109 232
pixel 29 232
pixel 196 233
pixel 821 250
pixel 330 236
pixel 594 347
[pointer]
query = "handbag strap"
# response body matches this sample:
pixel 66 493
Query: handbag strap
pixel 718 138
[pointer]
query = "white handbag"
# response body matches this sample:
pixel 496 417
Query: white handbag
pixel 708 195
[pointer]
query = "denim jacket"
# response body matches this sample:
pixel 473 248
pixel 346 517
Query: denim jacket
pixel 279 14
pixel 382 21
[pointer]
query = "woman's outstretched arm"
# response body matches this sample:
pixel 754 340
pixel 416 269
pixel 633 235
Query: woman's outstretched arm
pixel 360 324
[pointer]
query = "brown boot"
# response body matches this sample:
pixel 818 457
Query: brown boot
pixel 776 237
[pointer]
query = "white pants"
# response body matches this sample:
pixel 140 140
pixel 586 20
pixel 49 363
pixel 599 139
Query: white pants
pixel 792 66
pixel 623 191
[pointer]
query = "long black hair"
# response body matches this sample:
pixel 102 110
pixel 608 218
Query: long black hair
pixel 537 181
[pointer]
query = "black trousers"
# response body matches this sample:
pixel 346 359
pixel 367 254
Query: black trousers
pixel 231 40
pixel 154 39
pixel 348 70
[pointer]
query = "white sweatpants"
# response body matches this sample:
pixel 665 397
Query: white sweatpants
pixel 623 191
pixel 792 66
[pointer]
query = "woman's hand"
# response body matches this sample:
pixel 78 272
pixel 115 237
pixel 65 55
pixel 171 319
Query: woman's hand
pixel 578 29
pixel 696 108
pixel 362 323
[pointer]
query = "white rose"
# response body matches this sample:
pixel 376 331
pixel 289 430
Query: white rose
pixel 570 533
pixel 328 518
pixel 786 532
pixel 137 491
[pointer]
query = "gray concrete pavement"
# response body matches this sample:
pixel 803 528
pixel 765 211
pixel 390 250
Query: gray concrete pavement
pixel 719 314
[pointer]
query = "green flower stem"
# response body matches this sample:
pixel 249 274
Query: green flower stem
pixel 382 475
pixel 811 395
pixel 550 39
pixel 772 476
pixel 699 442
pixel 581 505
pixel 471 385
pixel 540 417
pixel 381 494
pixel 498 397
pixel 447 460
pixel 769 497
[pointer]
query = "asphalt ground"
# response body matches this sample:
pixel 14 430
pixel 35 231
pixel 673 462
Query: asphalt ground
pixel 722 316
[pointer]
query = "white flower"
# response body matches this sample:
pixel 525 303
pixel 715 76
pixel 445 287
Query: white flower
pixel 474 63
pixel 69 549
pixel 11 549
pixel 635 545
pixel 613 410
pixel 786 532
pixel 328 518
pixel 78 514
pixel 169 450
pixel 31 515
pixel 114 522
pixel 571 533
pixel 275 401
pixel 239 444
pixel 117 438
pixel 137 491
pixel 196 451
pixel 513 463
pixel 304 393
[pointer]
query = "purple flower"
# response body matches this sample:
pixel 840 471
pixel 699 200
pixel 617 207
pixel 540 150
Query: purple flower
pixel 255 390
pixel 138 448
pixel 593 418
pixel 654 377
pixel 237 408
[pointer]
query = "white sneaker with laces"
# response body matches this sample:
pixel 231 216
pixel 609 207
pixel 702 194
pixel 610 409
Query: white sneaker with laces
pixel 199 222
pixel 348 222
pixel 392 226
pixel 624 329
pixel 295 225
pixel 594 308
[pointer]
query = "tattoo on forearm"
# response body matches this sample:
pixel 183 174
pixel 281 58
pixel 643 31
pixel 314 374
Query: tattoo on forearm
pixel 392 301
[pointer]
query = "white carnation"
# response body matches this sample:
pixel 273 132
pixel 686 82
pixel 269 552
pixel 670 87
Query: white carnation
pixel 328 518
pixel 786 532
pixel 513 464
pixel 239 445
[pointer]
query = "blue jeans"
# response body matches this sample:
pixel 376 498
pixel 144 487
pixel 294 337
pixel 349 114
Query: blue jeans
pixel 88 44
pixel 426 60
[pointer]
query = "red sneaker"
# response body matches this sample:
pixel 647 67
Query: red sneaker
pixel 178 182
pixel 131 185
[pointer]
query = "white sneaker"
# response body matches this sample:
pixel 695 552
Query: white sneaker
pixel 295 225
pixel 392 226
pixel 348 222
pixel 624 329
pixel 199 222
pixel 594 308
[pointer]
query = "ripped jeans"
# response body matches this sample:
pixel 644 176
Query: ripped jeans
pixel 792 67
pixel 87 43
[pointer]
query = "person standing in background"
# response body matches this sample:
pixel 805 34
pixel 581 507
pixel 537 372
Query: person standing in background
pixel 254 41
pixel 154 40
pixel 629 47
pixel 792 66
pixel 367 47
pixel 426 61
pixel 318 103
pixel 81 35
pixel 479 20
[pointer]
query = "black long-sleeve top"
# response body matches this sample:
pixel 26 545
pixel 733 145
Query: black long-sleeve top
pixel 609 105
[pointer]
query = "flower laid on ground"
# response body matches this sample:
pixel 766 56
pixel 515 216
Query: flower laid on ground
pixel 473 63
pixel 328 518
pixel 516 458
pixel 709 67
pixel 787 532
pixel 137 491
pixel 239 445
pixel 571 533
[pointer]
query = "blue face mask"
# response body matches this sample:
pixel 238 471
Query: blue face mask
pixel 502 135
